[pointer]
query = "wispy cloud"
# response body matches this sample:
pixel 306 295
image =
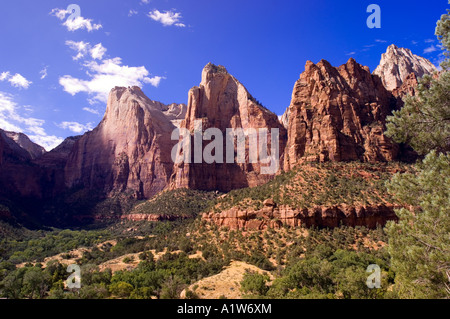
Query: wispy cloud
pixel 80 47
pixel 132 12
pixel 90 110
pixel 167 18
pixel 83 48
pixel 73 24
pixel 43 73
pixel 16 80
pixel 430 49
pixel 98 51
pixel 11 120
pixel 76 127
pixel 380 41
pixel 429 40
pixel 351 53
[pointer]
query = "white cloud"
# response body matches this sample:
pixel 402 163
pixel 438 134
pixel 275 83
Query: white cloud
pixel 19 81
pixel 145 1
pixel 380 41
pixel 167 18
pixel 132 12
pixel 16 80
pixel 83 48
pixel 351 53
pixel 43 73
pixel 81 23
pixel 106 75
pixel 430 49
pixel 59 13
pixel 4 75
pixel 80 47
pixel 93 111
pixel 48 142
pixel 154 81
pixel 98 51
pixel 76 127
pixel 73 24
pixel 429 41
pixel 11 120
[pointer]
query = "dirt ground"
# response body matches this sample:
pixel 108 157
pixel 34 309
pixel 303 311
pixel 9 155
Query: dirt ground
pixel 224 284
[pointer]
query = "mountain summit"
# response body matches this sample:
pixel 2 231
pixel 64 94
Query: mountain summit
pixel 397 63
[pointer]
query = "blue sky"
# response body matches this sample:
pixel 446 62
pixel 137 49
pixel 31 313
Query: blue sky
pixel 55 72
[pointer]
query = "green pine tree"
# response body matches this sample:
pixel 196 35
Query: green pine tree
pixel 419 244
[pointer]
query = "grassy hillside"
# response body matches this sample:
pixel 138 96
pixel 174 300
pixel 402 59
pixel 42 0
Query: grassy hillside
pixel 179 203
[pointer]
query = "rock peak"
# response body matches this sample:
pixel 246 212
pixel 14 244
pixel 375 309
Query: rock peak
pixel 212 68
pixel 392 47
pixel 211 71
pixel 397 63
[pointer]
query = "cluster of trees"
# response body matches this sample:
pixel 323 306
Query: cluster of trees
pixel 419 243
pixel 179 203
pixel 36 245
pixel 323 274
pixel 164 278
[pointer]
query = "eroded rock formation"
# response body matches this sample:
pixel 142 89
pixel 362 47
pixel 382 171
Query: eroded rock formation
pixel 271 216
pixel 222 102
pixel 338 114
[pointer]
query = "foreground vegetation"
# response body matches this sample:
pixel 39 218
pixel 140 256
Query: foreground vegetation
pixel 306 263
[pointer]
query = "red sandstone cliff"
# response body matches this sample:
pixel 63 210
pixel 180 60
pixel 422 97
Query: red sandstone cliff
pixel 338 114
pixel 271 216
pixel 223 102
pixel 128 151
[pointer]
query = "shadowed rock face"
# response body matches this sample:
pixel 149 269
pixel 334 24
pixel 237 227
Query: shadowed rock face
pixel 398 63
pixel 338 114
pixel 24 142
pixel 128 151
pixel 223 102
pixel 18 175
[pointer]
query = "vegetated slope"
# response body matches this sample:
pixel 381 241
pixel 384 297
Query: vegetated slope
pixel 173 204
pixel 320 194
